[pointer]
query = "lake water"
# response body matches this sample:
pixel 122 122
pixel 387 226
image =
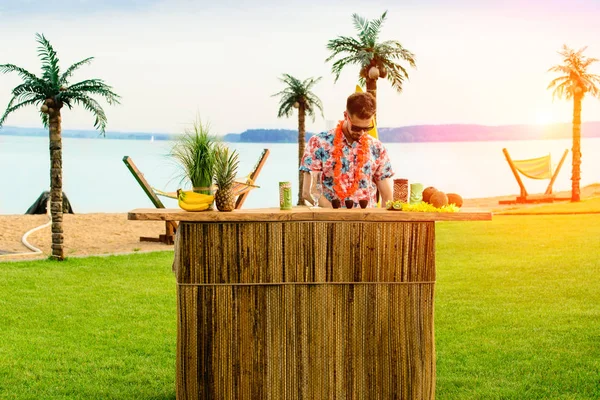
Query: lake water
pixel 96 180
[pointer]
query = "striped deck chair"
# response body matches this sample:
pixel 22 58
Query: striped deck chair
pixel 241 189
pixel 534 168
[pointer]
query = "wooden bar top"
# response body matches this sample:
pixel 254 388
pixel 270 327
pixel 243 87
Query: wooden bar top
pixel 302 214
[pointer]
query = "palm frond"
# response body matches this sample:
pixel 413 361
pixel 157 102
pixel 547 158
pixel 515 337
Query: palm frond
pixel 45 119
pixel 67 74
pixel 27 90
pixel 396 76
pixel 367 51
pixel 374 28
pixel 297 91
pixel 339 65
pixel 361 25
pixel 50 68
pixel 312 102
pixel 95 108
pixel 15 107
pixel 574 75
pixel 23 73
pixel 91 86
pixel 285 109
pixel 343 44
pixel 310 82
pixel 557 81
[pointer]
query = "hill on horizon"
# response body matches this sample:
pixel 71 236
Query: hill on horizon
pixel 404 134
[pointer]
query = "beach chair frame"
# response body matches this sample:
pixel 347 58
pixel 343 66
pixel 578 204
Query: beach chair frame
pixel 524 196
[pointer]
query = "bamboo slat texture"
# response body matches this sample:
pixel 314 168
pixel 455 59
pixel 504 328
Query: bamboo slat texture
pixel 305 310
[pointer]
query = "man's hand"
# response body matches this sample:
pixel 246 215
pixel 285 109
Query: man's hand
pixel 306 187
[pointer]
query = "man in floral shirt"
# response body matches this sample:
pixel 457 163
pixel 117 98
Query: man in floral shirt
pixel 354 165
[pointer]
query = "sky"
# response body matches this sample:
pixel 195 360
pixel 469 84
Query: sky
pixel 480 62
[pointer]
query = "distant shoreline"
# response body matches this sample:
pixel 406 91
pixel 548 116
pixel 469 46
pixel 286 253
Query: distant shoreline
pixel 405 134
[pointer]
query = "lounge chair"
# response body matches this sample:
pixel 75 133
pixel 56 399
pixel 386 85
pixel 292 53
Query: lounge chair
pixel 241 188
pixel 534 168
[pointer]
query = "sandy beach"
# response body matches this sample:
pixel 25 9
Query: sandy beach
pixel 105 234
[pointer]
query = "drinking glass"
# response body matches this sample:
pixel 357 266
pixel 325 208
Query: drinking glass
pixel 316 187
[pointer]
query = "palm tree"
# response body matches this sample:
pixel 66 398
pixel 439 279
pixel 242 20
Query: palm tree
pixel 574 83
pixel 376 60
pixel 50 93
pixel 298 94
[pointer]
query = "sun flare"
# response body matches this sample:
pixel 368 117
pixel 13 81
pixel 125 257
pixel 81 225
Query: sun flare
pixel 544 118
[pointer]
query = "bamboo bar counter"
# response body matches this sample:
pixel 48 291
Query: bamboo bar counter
pixel 305 304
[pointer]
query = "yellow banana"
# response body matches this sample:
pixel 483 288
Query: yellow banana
pixel 194 198
pixel 192 207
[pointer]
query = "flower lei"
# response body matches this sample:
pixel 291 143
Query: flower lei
pixel 337 153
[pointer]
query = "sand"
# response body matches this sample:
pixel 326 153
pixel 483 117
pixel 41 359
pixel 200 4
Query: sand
pixel 85 234
pixel 105 234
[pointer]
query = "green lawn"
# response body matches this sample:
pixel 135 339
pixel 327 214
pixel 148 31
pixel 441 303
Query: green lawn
pixel 517 317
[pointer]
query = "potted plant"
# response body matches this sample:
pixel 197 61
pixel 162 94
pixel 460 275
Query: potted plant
pixel 195 152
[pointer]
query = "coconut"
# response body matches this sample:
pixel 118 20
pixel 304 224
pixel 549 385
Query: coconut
pixel 438 199
pixel 44 108
pixel 296 105
pixel 382 73
pixel 51 111
pixel 363 72
pixel 427 193
pixel 49 102
pixel 373 73
pixel 455 199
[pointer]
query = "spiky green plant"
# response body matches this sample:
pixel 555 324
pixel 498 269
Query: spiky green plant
pixel 50 93
pixel 298 94
pixel 226 166
pixel 574 83
pixel 195 153
pixel 367 52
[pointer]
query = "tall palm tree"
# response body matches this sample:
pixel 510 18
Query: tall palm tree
pixel 375 59
pixel 298 94
pixel 574 83
pixel 50 92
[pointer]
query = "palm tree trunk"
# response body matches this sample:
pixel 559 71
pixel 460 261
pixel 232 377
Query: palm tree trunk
pixel 56 197
pixel 301 145
pixel 576 150
pixel 372 88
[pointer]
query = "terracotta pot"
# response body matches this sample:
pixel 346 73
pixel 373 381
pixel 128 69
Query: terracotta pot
pixel 349 203
pixel 363 203
pixel 335 203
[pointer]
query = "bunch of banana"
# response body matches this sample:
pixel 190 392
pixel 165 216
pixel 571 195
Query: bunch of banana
pixel 192 201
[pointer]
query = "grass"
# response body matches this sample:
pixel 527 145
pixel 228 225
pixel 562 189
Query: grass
pixel 88 328
pixel 518 308
pixel 517 317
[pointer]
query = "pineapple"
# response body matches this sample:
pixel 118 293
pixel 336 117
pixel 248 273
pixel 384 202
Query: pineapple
pixel 226 165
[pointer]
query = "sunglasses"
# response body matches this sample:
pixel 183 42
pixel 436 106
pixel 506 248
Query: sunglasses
pixel 358 129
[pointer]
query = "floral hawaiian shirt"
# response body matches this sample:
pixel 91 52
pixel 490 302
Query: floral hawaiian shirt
pixel 318 157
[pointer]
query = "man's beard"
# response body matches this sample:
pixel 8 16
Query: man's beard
pixel 354 136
